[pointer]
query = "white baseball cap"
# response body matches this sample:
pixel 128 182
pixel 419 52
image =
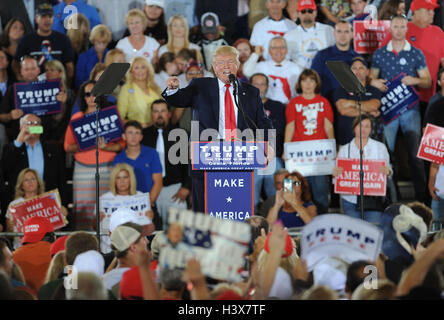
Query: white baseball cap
pixel 159 3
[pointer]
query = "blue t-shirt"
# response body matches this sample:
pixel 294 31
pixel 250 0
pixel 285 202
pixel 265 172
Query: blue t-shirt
pixel 86 62
pixel 329 82
pixel 62 11
pixel 292 219
pixel 390 64
pixel 146 164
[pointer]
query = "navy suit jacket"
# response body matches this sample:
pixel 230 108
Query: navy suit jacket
pixel 202 95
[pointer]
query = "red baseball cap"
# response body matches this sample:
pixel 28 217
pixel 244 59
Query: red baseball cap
pixel 131 285
pixel 426 4
pixel 35 228
pixel 288 245
pixel 306 4
pixel 58 245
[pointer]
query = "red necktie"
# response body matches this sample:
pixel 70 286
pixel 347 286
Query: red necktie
pixel 230 119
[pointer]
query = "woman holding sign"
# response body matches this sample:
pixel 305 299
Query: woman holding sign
pixel 310 117
pixel 293 206
pixel 29 185
pixel 84 185
pixel 122 185
pixel 372 150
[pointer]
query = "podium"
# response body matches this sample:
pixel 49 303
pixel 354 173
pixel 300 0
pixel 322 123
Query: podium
pixel 228 175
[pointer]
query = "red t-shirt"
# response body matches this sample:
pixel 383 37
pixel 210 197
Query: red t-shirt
pixel 430 41
pixel 309 117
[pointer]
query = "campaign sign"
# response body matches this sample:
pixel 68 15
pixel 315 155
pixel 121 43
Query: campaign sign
pixel 229 194
pixel 46 205
pixel 232 155
pixel 220 246
pixel 311 158
pixel 398 99
pixel 341 236
pixel 348 181
pixel 39 97
pixel 139 203
pixel 369 34
pixel 432 144
pixel 84 128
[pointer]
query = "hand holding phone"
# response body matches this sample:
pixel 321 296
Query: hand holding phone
pixel 288 185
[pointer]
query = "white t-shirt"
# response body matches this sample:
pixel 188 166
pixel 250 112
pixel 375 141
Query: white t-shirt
pixel 439 182
pixel 147 51
pixel 266 29
pixel 282 77
pixel 373 150
pixel 303 44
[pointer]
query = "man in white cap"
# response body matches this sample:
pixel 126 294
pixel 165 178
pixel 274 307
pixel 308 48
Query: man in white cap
pixel 127 241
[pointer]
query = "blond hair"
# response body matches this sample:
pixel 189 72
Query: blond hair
pixel 115 171
pixel 385 290
pixel 99 67
pixel 170 33
pixel 112 54
pixel 319 293
pixel 226 51
pixel 101 33
pixel 19 193
pixel 56 266
pixel 78 36
pixel 150 78
pixel 56 64
pixel 134 13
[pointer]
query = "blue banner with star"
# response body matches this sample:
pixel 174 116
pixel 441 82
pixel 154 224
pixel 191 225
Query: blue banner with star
pixel 398 99
pixel 229 195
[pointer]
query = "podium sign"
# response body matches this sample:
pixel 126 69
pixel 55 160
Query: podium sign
pixel 228 155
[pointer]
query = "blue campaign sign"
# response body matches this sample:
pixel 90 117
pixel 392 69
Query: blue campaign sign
pixel 398 99
pixel 38 97
pixel 84 128
pixel 229 195
pixel 228 155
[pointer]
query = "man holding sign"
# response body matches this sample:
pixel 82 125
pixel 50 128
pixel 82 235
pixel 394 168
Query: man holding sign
pixel 395 60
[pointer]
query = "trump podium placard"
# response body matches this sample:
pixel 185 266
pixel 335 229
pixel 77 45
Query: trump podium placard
pixel 109 127
pixel 341 236
pixel 432 144
pixel 47 205
pixel 348 181
pixel 38 97
pixel 219 245
pixel 311 158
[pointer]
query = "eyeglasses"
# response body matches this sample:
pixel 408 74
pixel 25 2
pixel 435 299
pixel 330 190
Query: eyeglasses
pixel 88 94
pixel 307 11
pixel 297 183
pixel 32 122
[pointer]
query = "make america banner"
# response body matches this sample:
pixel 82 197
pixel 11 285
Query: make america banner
pixel 39 98
pixel 432 144
pixel 369 34
pixel 348 181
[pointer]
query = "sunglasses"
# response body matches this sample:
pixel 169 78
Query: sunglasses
pixel 88 94
pixel 307 11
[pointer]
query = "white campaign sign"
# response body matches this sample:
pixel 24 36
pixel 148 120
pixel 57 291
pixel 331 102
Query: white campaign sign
pixel 311 158
pixel 219 245
pixel 341 236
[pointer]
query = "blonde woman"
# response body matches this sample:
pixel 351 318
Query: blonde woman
pixel 137 44
pixel 100 37
pixel 78 36
pixel 55 125
pixel 122 186
pixel 29 185
pixel 178 31
pixel 140 91
pixel 56 267
pixel 115 55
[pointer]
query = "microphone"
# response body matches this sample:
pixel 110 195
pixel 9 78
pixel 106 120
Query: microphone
pixel 232 78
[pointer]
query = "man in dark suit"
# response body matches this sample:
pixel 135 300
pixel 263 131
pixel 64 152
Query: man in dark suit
pixel 214 107
pixel 27 151
pixel 176 181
